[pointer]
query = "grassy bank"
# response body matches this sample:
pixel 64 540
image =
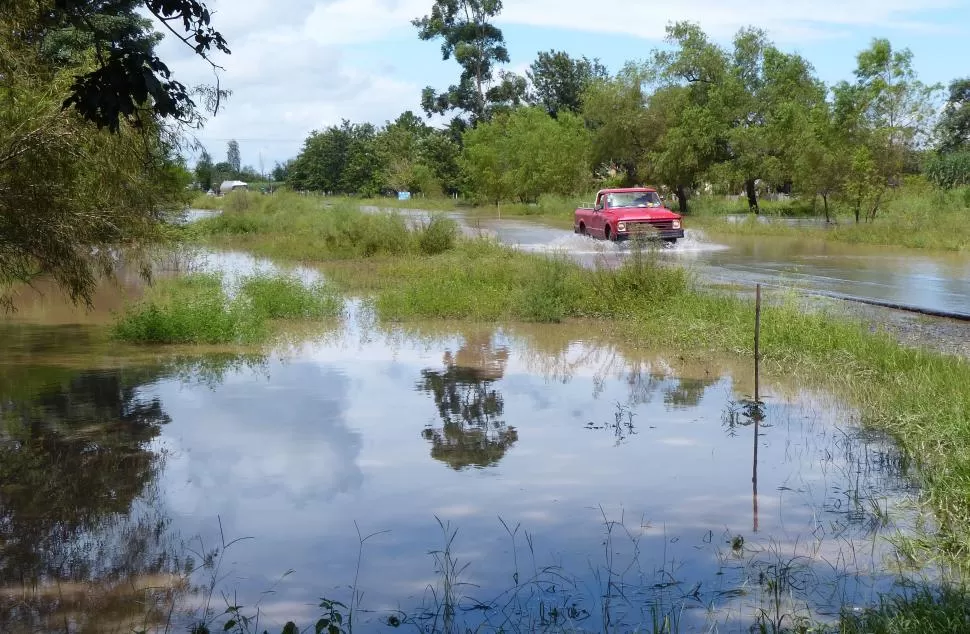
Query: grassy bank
pixel 197 309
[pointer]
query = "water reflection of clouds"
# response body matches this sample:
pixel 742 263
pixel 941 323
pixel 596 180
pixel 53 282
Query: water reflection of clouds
pixel 334 437
pixel 280 441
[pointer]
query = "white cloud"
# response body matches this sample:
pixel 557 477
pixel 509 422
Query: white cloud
pixel 299 65
pixel 795 20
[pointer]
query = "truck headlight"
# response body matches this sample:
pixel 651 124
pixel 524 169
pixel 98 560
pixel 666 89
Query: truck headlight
pixel 676 224
pixel 621 226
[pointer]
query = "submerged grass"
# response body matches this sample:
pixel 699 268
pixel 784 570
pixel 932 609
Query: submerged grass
pixel 196 309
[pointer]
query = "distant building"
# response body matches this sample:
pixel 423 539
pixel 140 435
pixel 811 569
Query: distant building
pixel 228 186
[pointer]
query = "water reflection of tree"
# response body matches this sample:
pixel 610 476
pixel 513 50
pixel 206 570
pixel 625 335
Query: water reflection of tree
pixel 82 533
pixel 473 432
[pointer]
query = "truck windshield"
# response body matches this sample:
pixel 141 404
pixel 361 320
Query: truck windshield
pixel 634 199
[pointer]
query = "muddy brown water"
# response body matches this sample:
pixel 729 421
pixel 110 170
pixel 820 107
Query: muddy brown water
pixel 590 483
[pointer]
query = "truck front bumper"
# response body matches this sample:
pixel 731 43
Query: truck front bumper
pixel 661 234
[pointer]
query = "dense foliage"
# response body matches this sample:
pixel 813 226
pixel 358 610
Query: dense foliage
pixel 694 118
pixel 73 196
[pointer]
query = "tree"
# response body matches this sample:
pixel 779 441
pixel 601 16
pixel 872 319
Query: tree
pixel 72 198
pixel 281 171
pixel 525 153
pixel 953 130
pixel 887 113
pixel 204 171
pixel 614 110
pixel 559 81
pixel 127 82
pixel 756 91
pixel 342 160
pixel 233 157
pixel 477 45
pixel 824 155
pixel 683 138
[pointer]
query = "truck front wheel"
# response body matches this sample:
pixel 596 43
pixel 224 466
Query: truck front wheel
pixel 607 233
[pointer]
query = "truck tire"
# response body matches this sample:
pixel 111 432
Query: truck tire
pixel 582 228
pixel 607 234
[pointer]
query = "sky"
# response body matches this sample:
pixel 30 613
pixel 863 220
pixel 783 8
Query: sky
pixel 302 65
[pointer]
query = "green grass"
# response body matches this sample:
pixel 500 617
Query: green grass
pixel 311 228
pixel 916 216
pixel 195 309
pixel 191 309
pixel 945 611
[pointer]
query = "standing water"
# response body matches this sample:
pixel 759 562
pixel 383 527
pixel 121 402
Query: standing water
pixel 446 476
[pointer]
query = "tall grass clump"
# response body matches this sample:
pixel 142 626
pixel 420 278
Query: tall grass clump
pixel 946 610
pixel 287 297
pixel 196 309
pixel 192 309
pixel 437 236
pixel 309 228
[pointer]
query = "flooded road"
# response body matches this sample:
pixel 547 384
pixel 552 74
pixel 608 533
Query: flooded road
pixel 590 483
pixel 908 277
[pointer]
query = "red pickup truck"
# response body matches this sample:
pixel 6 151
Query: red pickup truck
pixel 619 214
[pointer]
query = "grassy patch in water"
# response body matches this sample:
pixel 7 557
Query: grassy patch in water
pixel 926 611
pixel 196 309
pixel 288 297
pixel 190 309
pixel 312 228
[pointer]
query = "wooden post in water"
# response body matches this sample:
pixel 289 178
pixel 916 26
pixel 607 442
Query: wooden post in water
pixel 756 407
pixel 757 340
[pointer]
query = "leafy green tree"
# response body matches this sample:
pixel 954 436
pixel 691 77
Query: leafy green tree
pixel 525 153
pixel 341 160
pixel 757 92
pixel 468 34
pixel 72 196
pixel 281 171
pixel 233 157
pixel 126 81
pixel 683 139
pixel 204 171
pixel 614 110
pixel 824 156
pixel 953 130
pixel 440 152
pixel 888 116
pixel 559 81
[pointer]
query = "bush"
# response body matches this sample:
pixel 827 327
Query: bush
pixel 287 297
pixel 438 235
pixel 196 309
pixel 191 309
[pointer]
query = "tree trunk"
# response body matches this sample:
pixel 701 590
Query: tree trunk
pixel 752 196
pixel 825 203
pixel 682 199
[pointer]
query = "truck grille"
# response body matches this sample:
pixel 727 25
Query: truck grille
pixel 649 226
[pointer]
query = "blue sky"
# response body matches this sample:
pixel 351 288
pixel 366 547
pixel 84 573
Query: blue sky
pixel 300 65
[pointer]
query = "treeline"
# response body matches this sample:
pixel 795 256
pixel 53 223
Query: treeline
pixel 696 117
